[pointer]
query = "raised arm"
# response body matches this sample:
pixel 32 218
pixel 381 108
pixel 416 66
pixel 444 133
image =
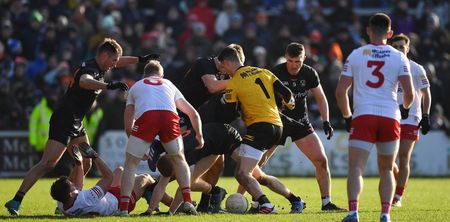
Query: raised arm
pixel 106 174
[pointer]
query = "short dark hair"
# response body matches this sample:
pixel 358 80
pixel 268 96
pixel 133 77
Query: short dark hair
pixel 400 37
pixel 380 23
pixel 229 53
pixel 110 46
pixel 152 67
pixel 61 189
pixel 295 49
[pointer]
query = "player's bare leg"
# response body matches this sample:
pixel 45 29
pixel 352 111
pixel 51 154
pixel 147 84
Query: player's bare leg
pixel 404 157
pixel 141 182
pixel 357 160
pixel 52 154
pixel 117 177
pixel 387 181
pixel 127 182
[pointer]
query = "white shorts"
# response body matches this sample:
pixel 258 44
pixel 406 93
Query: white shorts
pixel 137 147
pixel 411 120
pixel 250 152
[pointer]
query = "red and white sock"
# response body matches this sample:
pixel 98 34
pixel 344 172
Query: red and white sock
pixel 398 193
pixel 353 206
pixel 385 207
pixel 124 202
pixel 186 191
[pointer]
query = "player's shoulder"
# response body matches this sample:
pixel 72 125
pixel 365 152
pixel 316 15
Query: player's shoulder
pixel 89 66
pixel 307 69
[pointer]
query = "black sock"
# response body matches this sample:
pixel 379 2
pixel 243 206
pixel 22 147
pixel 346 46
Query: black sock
pixel 263 199
pixel 293 198
pixel 214 190
pixel 204 200
pixel 19 196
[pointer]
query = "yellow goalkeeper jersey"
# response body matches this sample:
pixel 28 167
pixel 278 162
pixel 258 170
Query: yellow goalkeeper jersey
pixel 253 88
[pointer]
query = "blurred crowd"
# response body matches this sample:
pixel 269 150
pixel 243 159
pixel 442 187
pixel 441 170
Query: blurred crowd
pixel 43 41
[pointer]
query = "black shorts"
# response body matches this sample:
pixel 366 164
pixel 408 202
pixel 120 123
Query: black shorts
pixel 262 136
pixel 193 156
pixel 64 126
pixel 296 132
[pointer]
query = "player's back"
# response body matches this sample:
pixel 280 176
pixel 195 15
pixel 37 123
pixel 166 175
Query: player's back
pixel 153 93
pixel 92 202
pixel 375 70
pixel 255 92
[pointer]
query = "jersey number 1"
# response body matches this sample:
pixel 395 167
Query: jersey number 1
pixel 376 72
pixel 261 84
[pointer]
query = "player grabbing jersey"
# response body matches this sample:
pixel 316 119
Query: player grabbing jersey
pixel 412 119
pixel 254 88
pixel 150 111
pixel 374 70
pixel 66 127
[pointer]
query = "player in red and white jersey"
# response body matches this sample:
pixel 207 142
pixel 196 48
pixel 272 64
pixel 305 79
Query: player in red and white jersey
pixel 103 198
pixel 150 111
pixel 413 119
pixel 374 70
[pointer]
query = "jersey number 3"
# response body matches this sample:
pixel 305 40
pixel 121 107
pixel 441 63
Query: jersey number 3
pixel 376 72
pixel 261 84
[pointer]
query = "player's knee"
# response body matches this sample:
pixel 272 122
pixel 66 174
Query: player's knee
pixel 320 162
pixel 119 169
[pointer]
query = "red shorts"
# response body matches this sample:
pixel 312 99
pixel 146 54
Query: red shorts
pixel 371 128
pixel 164 123
pixel 116 192
pixel 409 132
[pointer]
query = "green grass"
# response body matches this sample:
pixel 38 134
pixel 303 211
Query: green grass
pixel 426 200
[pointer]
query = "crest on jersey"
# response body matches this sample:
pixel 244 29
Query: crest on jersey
pixel 367 52
pixel 302 83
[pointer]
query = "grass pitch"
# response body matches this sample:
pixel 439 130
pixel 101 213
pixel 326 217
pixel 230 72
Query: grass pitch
pixel 425 200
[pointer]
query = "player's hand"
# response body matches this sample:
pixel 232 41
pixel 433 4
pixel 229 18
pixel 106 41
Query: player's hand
pixel 424 124
pixel 404 112
pixel 291 104
pixel 117 85
pixel 200 142
pixel 87 151
pixel 348 123
pixel 76 154
pixel 328 129
pixel 148 57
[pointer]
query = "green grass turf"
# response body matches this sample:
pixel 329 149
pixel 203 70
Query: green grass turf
pixel 425 200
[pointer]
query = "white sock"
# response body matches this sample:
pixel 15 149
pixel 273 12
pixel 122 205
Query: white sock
pixel 326 200
pixel 387 215
pixel 255 204
pixel 268 205
pixel 353 212
pixel 398 197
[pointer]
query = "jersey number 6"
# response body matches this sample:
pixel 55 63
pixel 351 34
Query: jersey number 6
pixel 376 72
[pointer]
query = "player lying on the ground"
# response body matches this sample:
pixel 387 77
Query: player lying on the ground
pixel 103 198
pixel 219 139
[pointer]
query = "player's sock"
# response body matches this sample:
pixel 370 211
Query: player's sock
pixel 293 198
pixel 388 217
pixel 326 200
pixel 263 199
pixel 19 196
pixel 385 207
pixel 353 206
pixel 214 190
pixel 186 191
pixel 398 193
pixel 124 202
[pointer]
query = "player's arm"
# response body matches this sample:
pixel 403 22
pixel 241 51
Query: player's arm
pixel 76 176
pixel 193 115
pixel 426 100
pixel 129 60
pixel 322 102
pixel 282 90
pixel 213 84
pixel 408 90
pixel 128 118
pixel 106 174
pixel 344 84
pixel 87 81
